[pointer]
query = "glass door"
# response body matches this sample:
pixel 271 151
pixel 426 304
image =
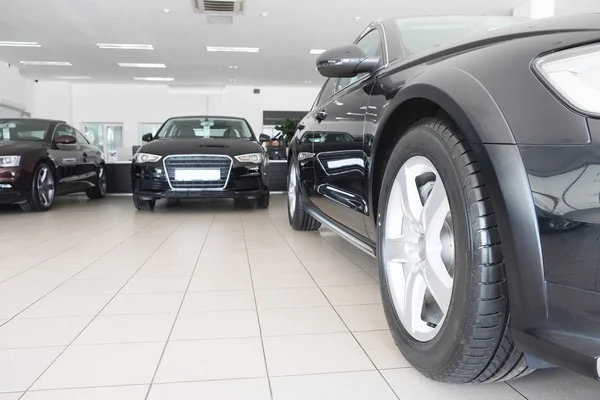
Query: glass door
pixel 109 139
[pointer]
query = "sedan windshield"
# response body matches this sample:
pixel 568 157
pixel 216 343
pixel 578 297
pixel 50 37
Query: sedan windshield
pixel 23 130
pixel 205 128
pixel 426 33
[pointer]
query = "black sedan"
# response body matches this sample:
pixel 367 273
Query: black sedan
pixel 201 157
pixel 40 159
pixel 473 176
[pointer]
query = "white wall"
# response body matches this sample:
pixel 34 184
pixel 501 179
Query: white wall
pixel 15 89
pixel 78 103
pixel 568 7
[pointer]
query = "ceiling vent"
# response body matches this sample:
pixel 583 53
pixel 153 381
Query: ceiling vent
pixel 219 6
pixel 220 19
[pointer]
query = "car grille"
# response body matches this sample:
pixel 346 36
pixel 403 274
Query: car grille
pixel 222 163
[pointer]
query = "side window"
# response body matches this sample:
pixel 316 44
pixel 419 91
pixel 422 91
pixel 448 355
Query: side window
pixel 80 138
pixel 372 45
pixel 63 130
pixel 329 89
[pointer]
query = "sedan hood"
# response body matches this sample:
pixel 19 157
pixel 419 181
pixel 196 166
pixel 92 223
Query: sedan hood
pixel 229 147
pixel 17 148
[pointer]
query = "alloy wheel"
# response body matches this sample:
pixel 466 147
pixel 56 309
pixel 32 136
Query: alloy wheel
pixel 418 248
pixel 45 186
pixel 103 182
pixel 292 190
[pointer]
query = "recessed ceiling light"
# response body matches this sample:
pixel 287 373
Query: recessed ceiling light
pixel 233 49
pixel 118 46
pixel 232 80
pixel 316 51
pixel 264 14
pixel 233 67
pixel 357 18
pixel 74 78
pixel 19 44
pixel 166 10
pixel 48 63
pixel 141 65
pixel 153 79
pixel 307 81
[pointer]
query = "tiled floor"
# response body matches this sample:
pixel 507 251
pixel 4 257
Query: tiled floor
pixel 204 301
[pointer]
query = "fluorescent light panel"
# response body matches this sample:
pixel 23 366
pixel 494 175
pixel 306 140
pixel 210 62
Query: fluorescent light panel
pixel 120 46
pixel 316 51
pixel 233 49
pixel 19 44
pixel 153 79
pixel 142 65
pixel 48 63
pixel 74 78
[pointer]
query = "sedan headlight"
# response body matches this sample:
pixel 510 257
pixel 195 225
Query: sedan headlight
pixel 141 158
pixel 10 161
pixel 254 158
pixel 574 76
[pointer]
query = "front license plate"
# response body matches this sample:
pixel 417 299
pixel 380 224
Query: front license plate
pixel 197 174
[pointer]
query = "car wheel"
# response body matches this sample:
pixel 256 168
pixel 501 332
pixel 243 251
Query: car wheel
pixel 143 205
pixel 300 219
pixel 441 265
pixel 99 189
pixel 42 190
pixel 263 202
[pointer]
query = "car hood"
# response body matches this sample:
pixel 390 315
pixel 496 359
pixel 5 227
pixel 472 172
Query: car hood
pixel 17 148
pixel 229 147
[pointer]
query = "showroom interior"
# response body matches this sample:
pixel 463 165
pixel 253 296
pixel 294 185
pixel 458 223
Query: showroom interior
pixel 199 298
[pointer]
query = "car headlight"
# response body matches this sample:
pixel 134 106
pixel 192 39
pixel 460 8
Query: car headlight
pixel 254 158
pixel 141 158
pixel 573 75
pixel 10 161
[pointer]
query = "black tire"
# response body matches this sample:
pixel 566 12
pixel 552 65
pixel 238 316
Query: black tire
pixel 99 189
pixel 264 200
pixel 477 345
pixel 34 202
pixel 300 219
pixel 143 205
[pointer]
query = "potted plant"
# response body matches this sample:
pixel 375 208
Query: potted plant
pixel 288 128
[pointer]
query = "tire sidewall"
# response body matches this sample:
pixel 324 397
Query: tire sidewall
pixel 35 197
pixel 293 218
pixel 433 355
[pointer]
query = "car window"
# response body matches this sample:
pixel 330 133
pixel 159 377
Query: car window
pixel 63 130
pixel 80 138
pixel 205 128
pixel 328 90
pixel 26 130
pixel 372 45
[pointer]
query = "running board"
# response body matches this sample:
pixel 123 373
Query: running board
pixel 360 244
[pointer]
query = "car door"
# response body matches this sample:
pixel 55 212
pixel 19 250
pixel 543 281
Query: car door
pixel 92 157
pixel 68 159
pixel 340 179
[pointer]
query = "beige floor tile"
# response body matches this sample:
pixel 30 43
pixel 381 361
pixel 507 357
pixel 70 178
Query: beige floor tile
pixel 556 384
pixel 66 306
pixel 216 325
pixel 127 329
pixel 247 389
pixel 381 349
pixel 83 287
pixel 282 280
pixel 363 317
pixel 410 384
pixel 227 280
pixel 342 278
pixel 19 368
pixel 157 303
pixel 314 354
pixel 219 301
pixel 156 285
pixel 11 396
pixel 300 321
pixel 353 295
pixel 43 332
pixel 289 298
pixel 102 365
pixel 212 360
pixel 136 392
pixel 165 271
pixel 367 385
pixel 107 272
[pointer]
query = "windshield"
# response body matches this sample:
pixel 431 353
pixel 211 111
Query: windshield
pixel 426 33
pixel 25 130
pixel 206 128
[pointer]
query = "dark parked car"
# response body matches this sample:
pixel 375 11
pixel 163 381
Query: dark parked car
pixel 40 159
pixel 473 178
pixel 201 157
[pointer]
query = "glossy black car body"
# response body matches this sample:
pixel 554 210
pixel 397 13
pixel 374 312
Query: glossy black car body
pixel 76 166
pixel 246 180
pixel 541 157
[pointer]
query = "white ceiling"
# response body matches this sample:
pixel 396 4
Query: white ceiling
pixel 69 29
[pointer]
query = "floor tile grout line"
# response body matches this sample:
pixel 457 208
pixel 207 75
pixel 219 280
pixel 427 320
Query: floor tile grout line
pixel 515 389
pixel 77 273
pixel 162 354
pixel 262 340
pixel 344 322
pixel 111 299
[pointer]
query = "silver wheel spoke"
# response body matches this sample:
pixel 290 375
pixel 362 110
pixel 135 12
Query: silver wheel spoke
pixel 414 296
pixel 435 210
pixel 438 280
pixel 408 193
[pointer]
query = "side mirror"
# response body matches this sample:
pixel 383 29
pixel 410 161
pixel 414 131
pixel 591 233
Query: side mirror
pixel 147 137
pixel 263 138
pixel 301 127
pixel 345 62
pixel 65 139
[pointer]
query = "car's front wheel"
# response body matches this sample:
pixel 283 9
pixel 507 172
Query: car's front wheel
pixel 143 205
pixel 42 190
pixel 99 189
pixel 300 219
pixel 441 264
